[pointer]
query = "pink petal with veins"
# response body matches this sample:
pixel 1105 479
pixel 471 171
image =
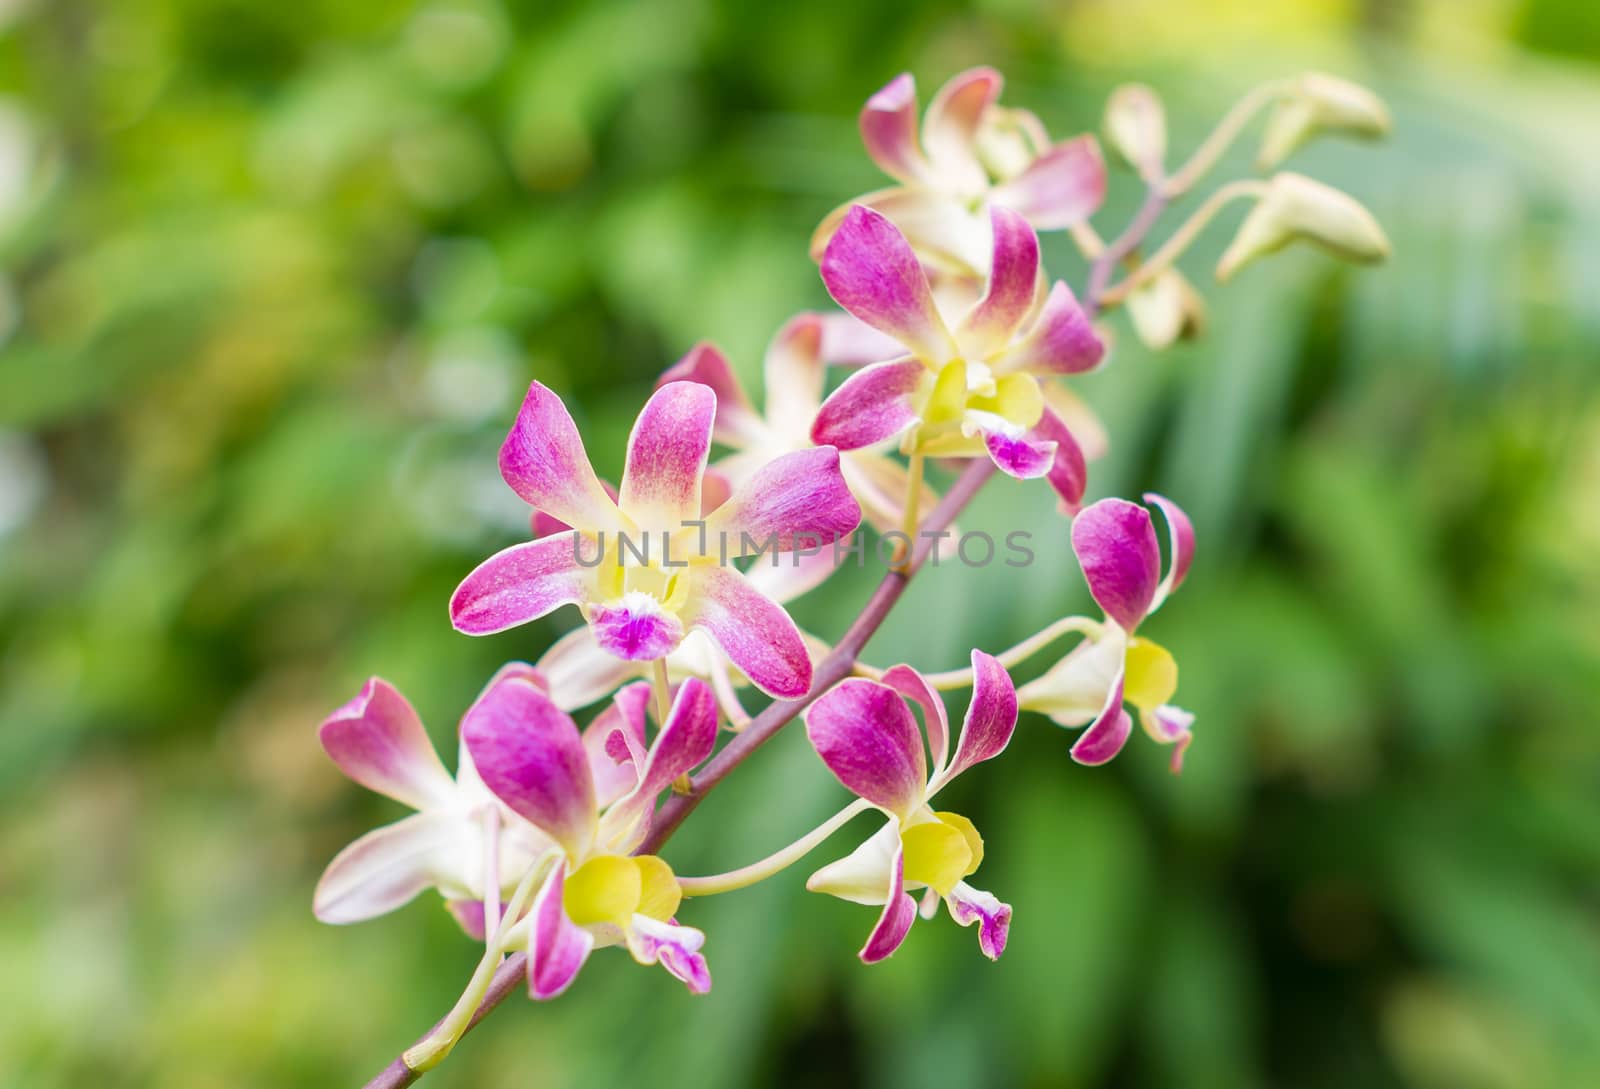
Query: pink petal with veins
pixel 544 462
pixel 522 583
pixel 1061 188
pixel 870 270
pixel 378 741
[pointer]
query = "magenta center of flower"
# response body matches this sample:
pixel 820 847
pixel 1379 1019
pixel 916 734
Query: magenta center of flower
pixel 636 628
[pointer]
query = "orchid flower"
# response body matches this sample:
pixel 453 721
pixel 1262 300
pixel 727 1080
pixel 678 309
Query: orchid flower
pixel 580 672
pixel 795 370
pixel 970 155
pixel 645 568
pixel 531 757
pixel 461 840
pixel 868 738
pixel 967 392
pixel 1115 542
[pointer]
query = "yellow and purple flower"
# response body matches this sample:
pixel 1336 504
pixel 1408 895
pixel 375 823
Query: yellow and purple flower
pixel 970 155
pixel 646 568
pixel 461 840
pixel 531 756
pixel 868 738
pixel 967 391
pixel 1116 545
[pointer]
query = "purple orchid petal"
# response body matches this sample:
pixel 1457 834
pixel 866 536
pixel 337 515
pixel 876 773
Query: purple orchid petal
pixel 866 736
pixel 386 868
pixel 1180 532
pixel 950 130
pixel 870 270
pixel 1069 472
pixel 544 462
pixel 847 341
pixel 676 948
pixel 1013 279
pixel 1107 734
pixel 378 741
pixel 752 630
pixel 615 744
pixel 991 716
pixel 1116 546
pixel 579 672
pixel 627 749
pixel 873 404
pixel 1061 340
pixel 636 629
pixel 911 684
pixel 469 784
pixel 737 421
pixel 667 455
pixel 1061 188
pixel 899 912
pixel 796 500
pixel 530 755
pixel 556 947
pixel 969 905
pixel 522 583
pixel 1019 455
pixel 1170 726
pixel 889 130
pixel 684 743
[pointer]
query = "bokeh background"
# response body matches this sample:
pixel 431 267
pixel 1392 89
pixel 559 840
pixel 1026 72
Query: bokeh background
pixel 272 278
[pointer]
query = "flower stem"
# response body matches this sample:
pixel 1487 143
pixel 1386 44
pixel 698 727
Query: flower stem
pixel 962 678
pixel 1183 237
pixel 908 520
pixel 1100 269
pixel 776 862
pixel 491 873
pixel 431 1050
pixel 1228 129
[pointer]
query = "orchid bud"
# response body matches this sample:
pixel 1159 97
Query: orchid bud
pixel 1136 128
pixel 1166 310
pixel 1296 207
pixel 1320 103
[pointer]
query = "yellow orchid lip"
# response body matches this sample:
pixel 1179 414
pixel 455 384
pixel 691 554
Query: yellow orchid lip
pixel 614 888
pixel 1151 679
pixel 941 851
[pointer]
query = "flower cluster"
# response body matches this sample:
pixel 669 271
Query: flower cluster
pixel 956 349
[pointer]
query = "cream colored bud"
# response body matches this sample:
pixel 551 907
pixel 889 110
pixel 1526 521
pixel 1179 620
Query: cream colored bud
pixel 1296 207
pixel 1136 128
pixel 1320 103
pixel 1166 310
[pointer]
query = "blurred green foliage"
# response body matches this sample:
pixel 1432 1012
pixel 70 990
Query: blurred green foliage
pixel 271 280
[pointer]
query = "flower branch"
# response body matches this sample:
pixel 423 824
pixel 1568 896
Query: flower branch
pixel 545 840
